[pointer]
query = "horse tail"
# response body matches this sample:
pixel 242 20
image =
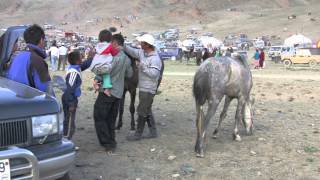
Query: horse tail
pixel 201 87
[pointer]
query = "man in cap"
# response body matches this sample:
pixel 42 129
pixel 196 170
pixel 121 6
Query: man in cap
pixel 150 68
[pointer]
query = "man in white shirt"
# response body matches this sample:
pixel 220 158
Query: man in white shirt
pixel 63 51
pixel 54 54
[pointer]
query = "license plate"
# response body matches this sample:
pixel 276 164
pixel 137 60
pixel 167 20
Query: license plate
pixel 5 169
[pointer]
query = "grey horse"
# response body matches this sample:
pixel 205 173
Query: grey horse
pixel 216 78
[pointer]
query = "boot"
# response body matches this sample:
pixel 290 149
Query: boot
pixel 152 127
pixel 138 134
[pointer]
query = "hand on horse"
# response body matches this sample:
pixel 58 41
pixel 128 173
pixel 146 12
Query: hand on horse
pixel 96 85
pixel 91 53
pixel 142 66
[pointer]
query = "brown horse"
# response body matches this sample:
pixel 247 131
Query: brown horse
pixel 130 85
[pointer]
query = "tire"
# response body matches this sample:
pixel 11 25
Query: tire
pixel 287 63
pixel 65 177
pixel 312 63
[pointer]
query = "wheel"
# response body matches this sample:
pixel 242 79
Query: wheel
pixel 312 63
pixel 287 63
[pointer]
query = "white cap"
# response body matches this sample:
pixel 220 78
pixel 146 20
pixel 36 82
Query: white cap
pixel 148 38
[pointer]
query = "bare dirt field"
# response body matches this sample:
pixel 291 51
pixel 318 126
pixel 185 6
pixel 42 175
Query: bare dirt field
pixel 285 143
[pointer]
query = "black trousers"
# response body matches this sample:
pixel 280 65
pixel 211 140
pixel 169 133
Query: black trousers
pixel 69 125
pixel 145 104
pixel 105 114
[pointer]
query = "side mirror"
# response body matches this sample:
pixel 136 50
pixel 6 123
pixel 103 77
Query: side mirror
pixel 58 82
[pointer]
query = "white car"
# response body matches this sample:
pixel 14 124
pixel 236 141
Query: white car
pixel 275 51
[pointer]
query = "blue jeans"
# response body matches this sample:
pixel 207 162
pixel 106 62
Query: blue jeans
pixel 54 61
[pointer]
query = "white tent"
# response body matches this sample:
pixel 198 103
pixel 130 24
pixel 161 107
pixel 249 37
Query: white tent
pixel 207 40
pixel 188 42
pixel 298 40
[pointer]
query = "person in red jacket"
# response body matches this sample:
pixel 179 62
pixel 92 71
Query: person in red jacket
pixel 261 58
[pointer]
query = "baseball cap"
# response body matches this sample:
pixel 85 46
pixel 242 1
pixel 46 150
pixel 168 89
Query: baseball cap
pixel 148 38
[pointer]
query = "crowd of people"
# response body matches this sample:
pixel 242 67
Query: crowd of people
pixel 111 66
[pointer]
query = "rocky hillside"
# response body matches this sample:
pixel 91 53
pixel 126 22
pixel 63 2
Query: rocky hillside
pixel 219 16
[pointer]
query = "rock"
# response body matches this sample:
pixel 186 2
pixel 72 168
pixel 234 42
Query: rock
pixel 253 153
pixel 259 173
pixel 152 149
pixel 187 169
pixel 167 99
pixel 175 175
pixel 172 157
pixel 138 178
pixel 290 99
pixel 277 160
pixel 162 124
pixel 261 139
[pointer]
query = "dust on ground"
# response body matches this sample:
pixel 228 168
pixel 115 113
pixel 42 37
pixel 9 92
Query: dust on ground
pixel 285 143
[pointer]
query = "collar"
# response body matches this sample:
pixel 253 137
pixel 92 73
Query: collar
pixel 152 53
pixel 76 67
pixel 41 52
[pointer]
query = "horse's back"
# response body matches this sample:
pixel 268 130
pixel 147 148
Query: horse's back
pixel 229 76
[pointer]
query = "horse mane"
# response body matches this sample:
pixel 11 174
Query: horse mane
pixel 242 60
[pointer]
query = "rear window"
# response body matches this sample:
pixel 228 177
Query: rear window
pixel 275 48
pixel 315 51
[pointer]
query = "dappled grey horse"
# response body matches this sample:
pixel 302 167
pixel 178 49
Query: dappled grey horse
pixel 216 78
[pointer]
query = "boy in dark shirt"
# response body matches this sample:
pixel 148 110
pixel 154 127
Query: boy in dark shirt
pixel 72 92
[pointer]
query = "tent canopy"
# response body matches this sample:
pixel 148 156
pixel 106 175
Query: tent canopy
pixel 210 41
pixel 297 40
pixel 188 42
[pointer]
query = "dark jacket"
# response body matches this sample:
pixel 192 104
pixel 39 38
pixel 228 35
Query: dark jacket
pixel 73 82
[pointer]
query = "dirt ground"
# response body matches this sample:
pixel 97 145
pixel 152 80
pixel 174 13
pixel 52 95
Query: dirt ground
pixel 285 143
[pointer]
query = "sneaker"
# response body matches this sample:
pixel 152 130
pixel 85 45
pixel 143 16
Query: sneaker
pixel 134 137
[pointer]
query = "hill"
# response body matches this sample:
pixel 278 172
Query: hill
pixel 254 17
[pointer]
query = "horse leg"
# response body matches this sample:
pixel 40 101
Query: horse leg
pixel 132 108
pixel 222 115
pixel 203 125
pixel 121 109
pixel 238 119
pixel 199 122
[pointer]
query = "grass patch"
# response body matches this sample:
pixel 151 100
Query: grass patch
pixel 310 160
pixel 310 149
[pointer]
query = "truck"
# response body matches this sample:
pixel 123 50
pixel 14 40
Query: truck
pixel 31 127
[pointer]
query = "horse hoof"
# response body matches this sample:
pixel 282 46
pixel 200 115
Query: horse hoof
pixel 237 137
pixel 214 136
pixel 200 155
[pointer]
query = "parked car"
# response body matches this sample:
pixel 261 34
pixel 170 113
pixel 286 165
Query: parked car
pixel 274 51
pixel 310 56
pixel 170 52
pixel 31 126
